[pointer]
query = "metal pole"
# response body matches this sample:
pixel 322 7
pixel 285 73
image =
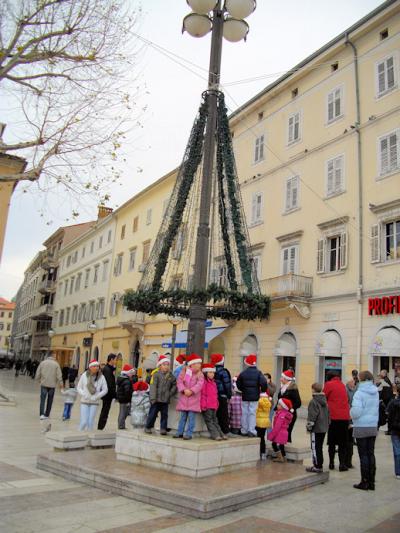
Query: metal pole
pixel 173 343
pixel 91 344
pixel 198 311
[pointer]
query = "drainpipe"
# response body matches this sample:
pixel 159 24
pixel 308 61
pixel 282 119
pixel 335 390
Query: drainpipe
pixel 360 205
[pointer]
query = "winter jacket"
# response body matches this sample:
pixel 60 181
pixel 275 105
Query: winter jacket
pixel 263 410
pixel 178 370
pixel 291 393
pixel 235 411
pixel 249 382
pixel 140 406
pixel 365 408
pixel 49 373
pixel 393 411
pixel 100 385
pixel 72 374
pixel 385 392
pixel 223 381
pixel 190 403
pixel 351 388
pixel 69 395
pixel 209 395
pixel 124 389
pixel 318 414
pixel 109 374
pixel 163 387
pixel 338 403
pixel 279 432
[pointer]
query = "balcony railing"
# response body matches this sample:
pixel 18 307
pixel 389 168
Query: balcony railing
pixel 45 310
pixel 47 286
pixel 50 260
pixel 287 286
pixel 132 316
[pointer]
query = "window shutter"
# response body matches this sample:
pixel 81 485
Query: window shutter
pixel 338 102
pixel 291 129
pixel 285 262
pixel 256 150
pixel 321 256
pixel 330 178
pixel 295 188
pixel 384 155
pixel 261 148
pixel 288 194
pixel 381 77
pixel 254 208
pixel 330 106
pixel 338 174
pixel 393 151
pixel 296 133
pixel 343 250
pixel 293 259
pixel 375 244
pixel 390 72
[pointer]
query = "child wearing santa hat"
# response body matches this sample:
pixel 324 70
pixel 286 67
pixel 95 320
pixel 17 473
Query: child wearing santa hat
pixel 235 409
pixel 279 434
pixel 262 419
pixel 124 393
pixel 249 382
pixel 140 404
pixel 180 362
pixel 209 402
pixel 190 383
pixel 162 389
pixel 290 391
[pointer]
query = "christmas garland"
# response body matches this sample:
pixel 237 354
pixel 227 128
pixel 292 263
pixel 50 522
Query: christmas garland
pixel 220 302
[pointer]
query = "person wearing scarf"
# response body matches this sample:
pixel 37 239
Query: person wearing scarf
pixel 91 388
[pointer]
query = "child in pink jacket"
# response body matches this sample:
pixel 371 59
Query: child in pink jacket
pixel 190 382
pixel 209 403
pixel 279 434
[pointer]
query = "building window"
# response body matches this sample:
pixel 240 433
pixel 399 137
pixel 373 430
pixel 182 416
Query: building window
pixel 292 193
pixel 1 325
pixel 96 274
pixel 91 313
pixel 71 285
pixel 389 233
pixel 118 265
pixel 290 259
pixel 146 252
pixel 384 34
pixel 78 282
pixel 109 236
pixel 61 318
pixel 257 207
pixel 100 308
pixel 101 241
pixel 389 153
pixel 114 304
pixel 294 128
pixel 65 287
pixel 75 257
pixel 68 261
pixel 219 276
pixel 135 224
pixel 87 276
pixel 92 247
pixel 332 253
pixel 335 175
pixel 8 327
pixel 123 228
pixel 132 259
pixel 82 313
pixel 335 104
pixel 334 66
pixel 67 315
pixel 259 149
pixel 105 270
pixel 148 217
pixel 257 265
pixel 83 252
pixel 261 115
pixel 386 76
pixel 295 92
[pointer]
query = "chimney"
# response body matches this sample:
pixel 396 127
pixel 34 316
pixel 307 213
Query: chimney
pixel 103 211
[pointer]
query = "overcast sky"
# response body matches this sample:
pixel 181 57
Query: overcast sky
pixel 282 33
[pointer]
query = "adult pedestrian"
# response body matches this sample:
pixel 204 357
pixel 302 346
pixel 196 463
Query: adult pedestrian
pixel 385 387
pixel 91 388
pixel 18 366
pixel 351 387
pixel 72 375
pixel 223 381
pixel 65 371
pixel 34 368
pixel 250 382
pixel 339 411
pixel 109 375
pixel 393 411
pixel 290 391
pixel 365 414
pixel 49 375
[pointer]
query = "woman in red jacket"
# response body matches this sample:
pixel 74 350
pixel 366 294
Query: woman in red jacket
pixel 339 410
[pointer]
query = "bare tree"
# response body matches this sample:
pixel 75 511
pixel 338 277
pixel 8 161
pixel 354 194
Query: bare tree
pixel 67 88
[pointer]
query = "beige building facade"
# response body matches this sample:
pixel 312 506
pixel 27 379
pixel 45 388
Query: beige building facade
pixel 6 319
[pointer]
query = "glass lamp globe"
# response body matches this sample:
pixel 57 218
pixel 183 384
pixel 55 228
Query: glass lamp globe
pixel 240 9
pixel 202 6
pixel 235 30
pixel 197 25
pixel 92 327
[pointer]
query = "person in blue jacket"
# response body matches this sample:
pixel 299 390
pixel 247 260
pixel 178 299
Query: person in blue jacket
pixel 365 415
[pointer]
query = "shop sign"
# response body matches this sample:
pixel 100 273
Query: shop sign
pixel 385 305
pixel 333 364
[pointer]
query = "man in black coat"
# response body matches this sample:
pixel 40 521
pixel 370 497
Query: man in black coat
pixel 109 374
pixel 249 382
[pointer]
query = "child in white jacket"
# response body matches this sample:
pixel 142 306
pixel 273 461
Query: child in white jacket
pixel 140 404
pixel 91 388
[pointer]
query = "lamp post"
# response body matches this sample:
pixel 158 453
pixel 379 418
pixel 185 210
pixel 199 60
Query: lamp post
pixel 175 321
pixel 51 334
pixel 92 328
pixel 226 21
pixel 26 339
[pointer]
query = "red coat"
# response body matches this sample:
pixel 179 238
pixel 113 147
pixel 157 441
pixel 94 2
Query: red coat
pixel 209 395
pixel 338 403
pixel 279 433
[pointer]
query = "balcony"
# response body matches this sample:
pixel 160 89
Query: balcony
pixel 47 286
pixel 49 260
pixel 288 287
pixel 132 320
pixel 43 312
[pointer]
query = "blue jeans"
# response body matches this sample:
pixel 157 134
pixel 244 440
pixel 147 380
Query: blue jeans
pixel 157 407
pixel 396 453
pixel 186 415
pixel 67 411
pixel 46 392
pixel 249 417
pixel 88 413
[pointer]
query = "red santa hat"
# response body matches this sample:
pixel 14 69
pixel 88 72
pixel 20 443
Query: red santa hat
pixel 217 358
pixel 286 404
pixel 208 367
pixel 250 360
pixel 181 359
pixel 140 386
pixel 128 370
pixel 163 359
pixel 193 359
pixel 288 375
pixel 93 363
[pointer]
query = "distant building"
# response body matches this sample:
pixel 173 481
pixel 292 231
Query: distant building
pixel 6 318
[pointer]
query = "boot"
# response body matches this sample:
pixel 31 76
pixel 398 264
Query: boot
pixel 371 478
pixel 279 458
pixel 331 452
pixel 363 485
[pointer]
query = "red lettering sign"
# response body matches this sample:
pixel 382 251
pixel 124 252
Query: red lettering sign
pixel 385 305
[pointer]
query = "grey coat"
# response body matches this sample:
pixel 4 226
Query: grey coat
pixel 318 414
pixel 163 387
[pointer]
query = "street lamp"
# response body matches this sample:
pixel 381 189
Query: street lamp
pixel 92 328
pixel 26 339
pixel 226 21
pixel 51 334
pixel 175 321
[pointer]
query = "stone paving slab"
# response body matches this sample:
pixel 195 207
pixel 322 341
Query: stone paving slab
pixel 201 498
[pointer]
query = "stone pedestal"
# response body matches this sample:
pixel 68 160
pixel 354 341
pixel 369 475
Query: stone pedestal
pixel 200 429
pixel 196 458
pixel 101 439
pixel 67 440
